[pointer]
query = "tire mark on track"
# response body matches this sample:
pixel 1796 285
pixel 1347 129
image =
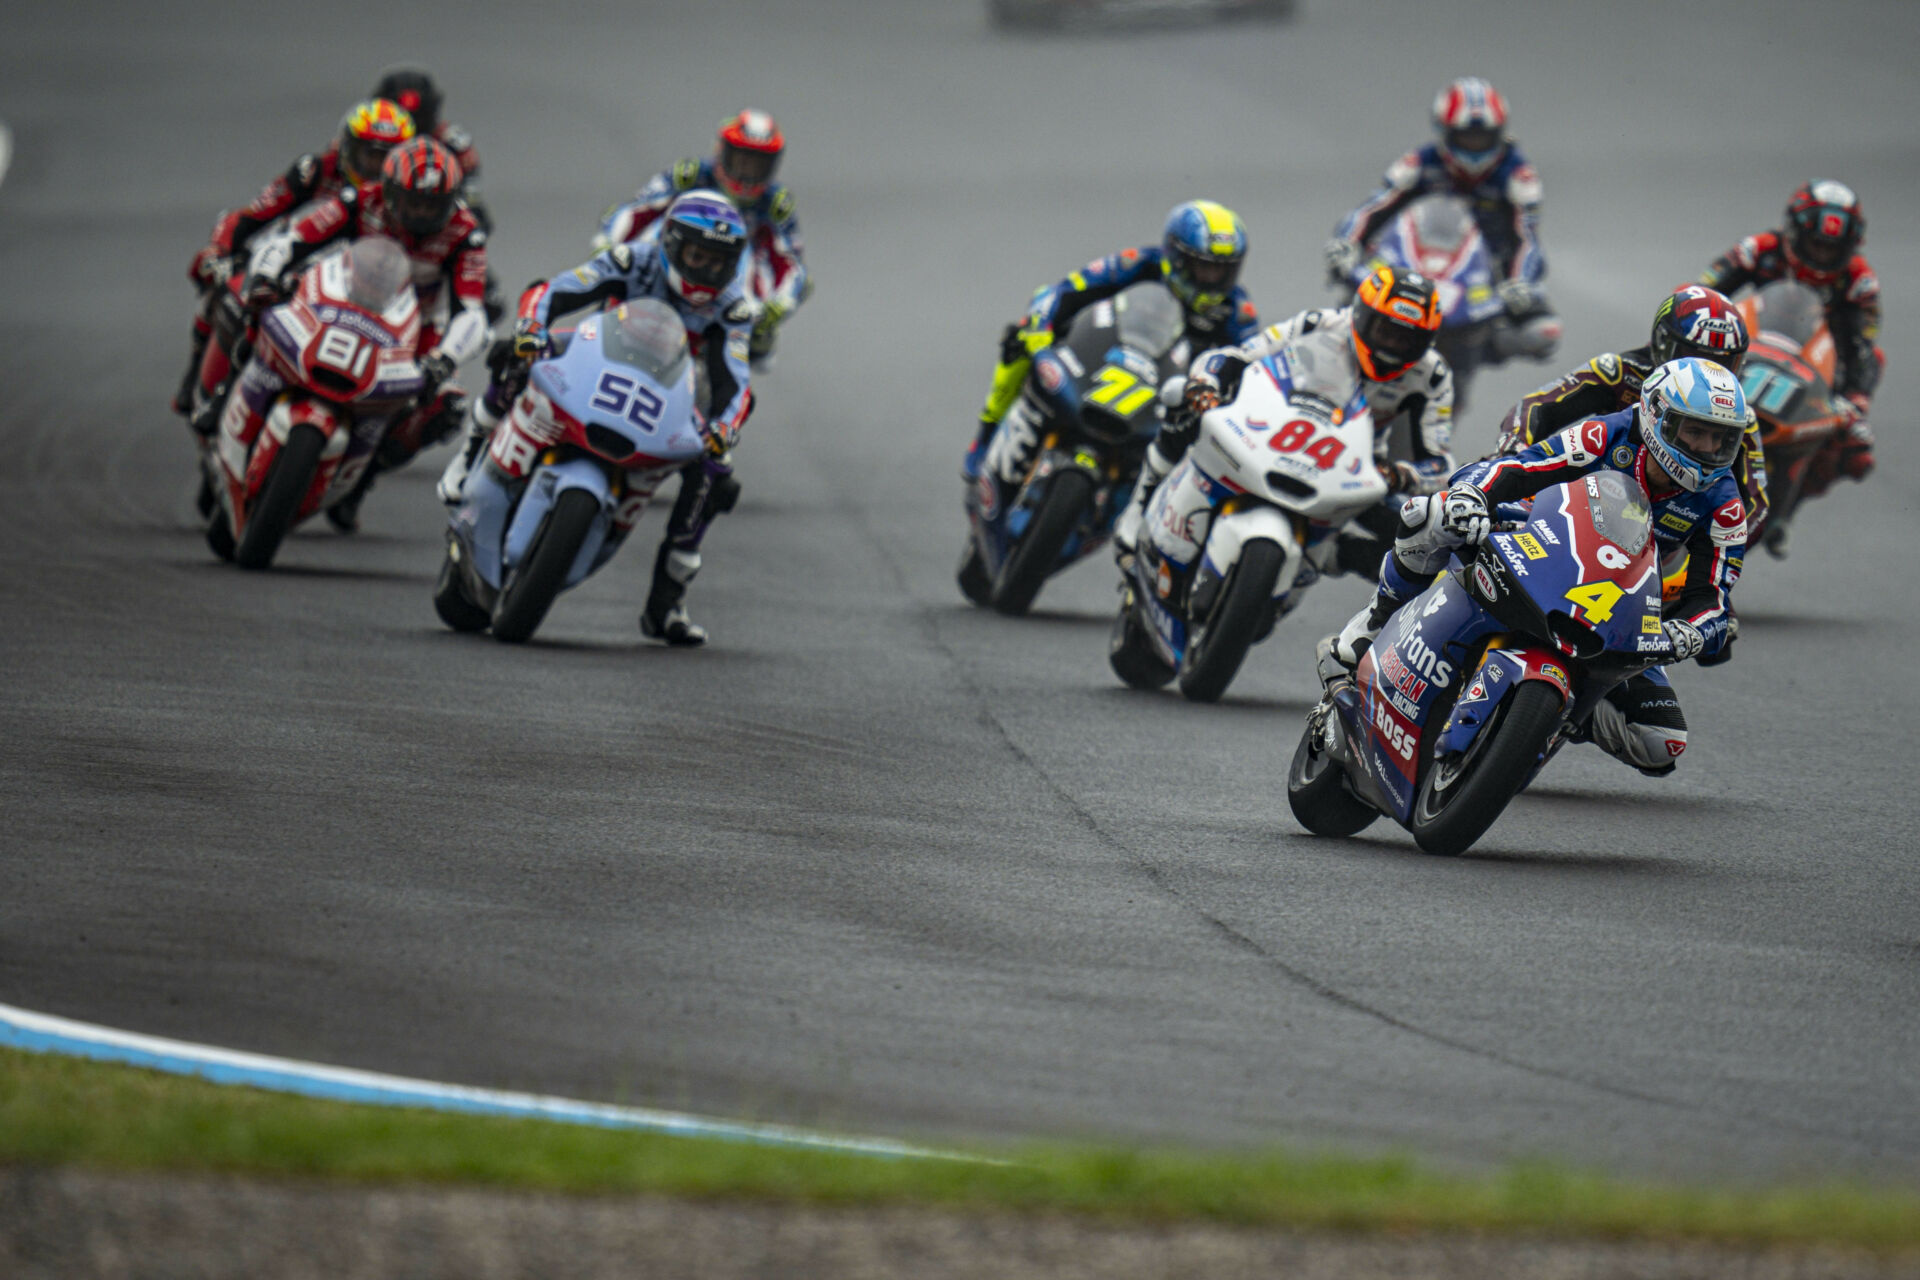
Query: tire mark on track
pixel 930 625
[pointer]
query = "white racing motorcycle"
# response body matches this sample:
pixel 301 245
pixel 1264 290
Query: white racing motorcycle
pixel 1233 537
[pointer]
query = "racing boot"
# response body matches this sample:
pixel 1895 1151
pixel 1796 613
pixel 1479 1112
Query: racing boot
pixel 183 398
pixel 665 617
pixel 344 515
pixel 977 451
pixel 480 424
pixel 1777 540
pixel 1126 530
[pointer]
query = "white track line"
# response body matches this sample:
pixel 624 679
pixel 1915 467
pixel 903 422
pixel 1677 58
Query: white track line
pixel 42 1033
pixel 6 150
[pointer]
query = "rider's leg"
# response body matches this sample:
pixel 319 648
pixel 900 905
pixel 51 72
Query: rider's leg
pixel 1639 722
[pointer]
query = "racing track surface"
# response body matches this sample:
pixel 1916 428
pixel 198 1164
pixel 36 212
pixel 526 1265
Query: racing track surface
pixel 874 859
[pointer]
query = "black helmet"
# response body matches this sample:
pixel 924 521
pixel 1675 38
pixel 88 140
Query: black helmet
pixel 414 90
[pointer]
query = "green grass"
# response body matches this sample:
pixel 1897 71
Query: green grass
pixel 63 1111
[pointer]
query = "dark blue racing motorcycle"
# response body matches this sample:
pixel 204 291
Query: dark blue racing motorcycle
pixel 1091 406
pixel 1474 684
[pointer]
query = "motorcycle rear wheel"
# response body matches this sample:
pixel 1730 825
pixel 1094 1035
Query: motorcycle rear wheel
pixel 1038 554
pixel 527 596
pixel 1317 792
pixel 1458 801
pixel 278 504
pixel 451 603
pixel 1216 648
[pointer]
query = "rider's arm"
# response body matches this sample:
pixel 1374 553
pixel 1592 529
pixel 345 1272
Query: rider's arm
pixel 725 346
pixel 1567 456
pixel 1855 322
pixel 1101 278
pixel 1586 392
pixel 466 331
pixel 293 188
pixel 1430 410
pixel 1715 550
pixel 1523 195
pixel 323 223
pixel 1404 180
pixel 605 275
pixel 1738 265
pixel 626 222
pixel 784 250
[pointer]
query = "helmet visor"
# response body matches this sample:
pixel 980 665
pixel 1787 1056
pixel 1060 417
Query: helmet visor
pixel 362 157
pixel 702 263
pixel 1473 142
pixel 420 212
pixel 1206 272
pixel 1711 443
pixel 748 168
pixel 1393 344
pixel 1821 251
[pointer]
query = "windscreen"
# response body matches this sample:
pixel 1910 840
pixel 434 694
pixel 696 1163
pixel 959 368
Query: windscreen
pixel 647 335
pixel 1441 223
pixel 1620 509
pixel 1321 369
pixel 377 269
pixel 1789 308
pixel 1149 319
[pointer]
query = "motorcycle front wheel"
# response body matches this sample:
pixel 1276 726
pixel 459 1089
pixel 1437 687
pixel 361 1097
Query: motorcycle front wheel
pixel 450 602
pixel 278 503
pixel 1217 646
pixel 1459 799
pixel 1317 791
pixel 530 592
pixel 1131 653
pixel 1038 554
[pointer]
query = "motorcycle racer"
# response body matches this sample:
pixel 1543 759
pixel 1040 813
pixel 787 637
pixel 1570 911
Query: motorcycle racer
pixel 1818 245
pixel 745 158
pixel 694 260
pixel 1389 332
pixel 415 203
pixel 1692 321
pixel 1198 259
pixel 1473 158
pixel 1679 443
pixel 368 132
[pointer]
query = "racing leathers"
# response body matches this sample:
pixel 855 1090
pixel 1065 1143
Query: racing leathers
pixel 1053 309
pixel 1505 202
pixel 1639 721
pixel 1421 398
pixel 720 336
pixel 779 282
pixel 1606 384
pixel 1852 297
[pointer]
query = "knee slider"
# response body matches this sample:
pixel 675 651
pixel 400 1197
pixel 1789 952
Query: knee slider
pixel 682 565
pixel 726 492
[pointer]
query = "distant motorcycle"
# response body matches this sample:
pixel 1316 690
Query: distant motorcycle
pixel 1437 236
pixel 1248 520
pixel 1788 378
pixel 338 360
pixel 1476 683
pixel 1091 403
pixel 602 422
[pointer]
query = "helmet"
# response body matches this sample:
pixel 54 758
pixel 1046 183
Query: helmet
pixel 421 183
pixel 367 133
pixel 1693 415
pixel 1396 314
pixel 1471 118
pixel 1201 253
pixel 414 90
pixel 1824 227
pixel 701 240
pixel 750 147
pixel 1697 321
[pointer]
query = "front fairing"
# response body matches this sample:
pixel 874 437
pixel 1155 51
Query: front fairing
pixel 1462 272
pixel 657 422
pixel 1311 458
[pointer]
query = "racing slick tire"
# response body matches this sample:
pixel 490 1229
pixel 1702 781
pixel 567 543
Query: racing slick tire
pixel 278 505
pixel 450 602
pixel 1458 800
pixel 1038 554
pixel 1243 609
pixel 1131 654
pixel 530 592
pixel 1318 794
pixel 975 585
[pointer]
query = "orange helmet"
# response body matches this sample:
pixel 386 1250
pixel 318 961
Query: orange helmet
pixel 367 133
pixel 750 147
pixel 1395 317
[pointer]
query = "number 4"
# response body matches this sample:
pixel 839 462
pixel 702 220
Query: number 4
pixel 1597 598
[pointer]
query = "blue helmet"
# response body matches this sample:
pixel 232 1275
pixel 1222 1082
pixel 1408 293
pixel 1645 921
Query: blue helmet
pixel 1201 253
pixel 1693 415
pixel 701 240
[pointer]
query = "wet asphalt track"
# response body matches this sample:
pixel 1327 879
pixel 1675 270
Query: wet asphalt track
pixel 874 859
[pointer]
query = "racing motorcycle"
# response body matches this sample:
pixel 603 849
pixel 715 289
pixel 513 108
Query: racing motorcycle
pixel 1437 237
pixel 607 417
pixel 335 365
pixel 1788 378
pixel 1092 403
pixel 1475 684
pixel 1248 520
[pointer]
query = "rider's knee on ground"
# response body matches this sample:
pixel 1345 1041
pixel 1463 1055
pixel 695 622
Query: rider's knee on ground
pixel 1640 723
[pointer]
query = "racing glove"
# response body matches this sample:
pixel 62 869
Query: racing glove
pixel 1400 477
pixel 211 270
pixel 1342 257
pixel 529 338
pixel 1685 638
pixel 436 369
pixel 1517 296
pixel 1465 515
pixel 259 292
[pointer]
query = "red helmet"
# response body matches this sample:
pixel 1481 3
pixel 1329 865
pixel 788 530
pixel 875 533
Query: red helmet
pixel 1697 321
pixel 750 147
pixel 1471 118
pixel 421 183
pixel 1824 227
pixel 367 133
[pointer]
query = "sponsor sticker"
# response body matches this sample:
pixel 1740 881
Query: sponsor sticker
pixel 1622 457
pixel 1649 625
pixel 1489 589
pixel 1554 673
pixel 1531 545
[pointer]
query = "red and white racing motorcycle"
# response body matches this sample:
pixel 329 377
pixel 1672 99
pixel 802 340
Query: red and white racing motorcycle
pixel 330 371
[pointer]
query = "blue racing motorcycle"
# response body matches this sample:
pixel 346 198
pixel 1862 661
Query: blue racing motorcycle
pixel 1474 684
pixel 569 470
